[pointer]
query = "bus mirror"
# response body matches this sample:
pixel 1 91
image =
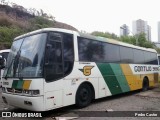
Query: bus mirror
pixel 2 62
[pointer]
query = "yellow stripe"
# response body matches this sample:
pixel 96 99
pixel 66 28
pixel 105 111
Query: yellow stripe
pixel 26 84
pixel 134 81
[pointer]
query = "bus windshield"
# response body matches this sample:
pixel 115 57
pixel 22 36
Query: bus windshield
pixel 26 57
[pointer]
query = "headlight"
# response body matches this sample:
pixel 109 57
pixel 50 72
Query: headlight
pixel 31 92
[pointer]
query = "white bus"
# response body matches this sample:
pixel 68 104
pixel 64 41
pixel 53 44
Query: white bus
pixel 159 58
pixel 52 68
pixel 3 54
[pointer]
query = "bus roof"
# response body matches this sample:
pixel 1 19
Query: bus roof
pixel 5 50
pixel 112 41
pixel 44 30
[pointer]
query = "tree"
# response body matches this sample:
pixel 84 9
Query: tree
pixel 140 38
pixel 40 22
pixel 128 39
pixel 8 34
pixel 105 34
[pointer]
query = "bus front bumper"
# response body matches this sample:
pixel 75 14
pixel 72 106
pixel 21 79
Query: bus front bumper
pixel 24 102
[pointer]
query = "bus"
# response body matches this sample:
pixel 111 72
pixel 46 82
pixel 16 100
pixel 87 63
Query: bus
pixel 52 68
pixel 3 54
pixel 159 58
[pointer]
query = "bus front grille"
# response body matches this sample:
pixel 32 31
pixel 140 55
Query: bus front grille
pixel 12 90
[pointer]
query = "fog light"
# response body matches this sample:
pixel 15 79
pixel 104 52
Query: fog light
pixel 27 103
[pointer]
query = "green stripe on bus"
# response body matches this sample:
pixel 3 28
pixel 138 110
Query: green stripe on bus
pixel 20 84
pixel 110 78
pixel 116 68
pixel 14 84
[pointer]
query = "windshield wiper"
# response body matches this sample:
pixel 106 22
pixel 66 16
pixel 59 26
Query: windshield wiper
pixel 9 68
pixel 15 62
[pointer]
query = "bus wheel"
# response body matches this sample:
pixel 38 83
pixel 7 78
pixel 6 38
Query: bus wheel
pixel 145 84
pixel 83 96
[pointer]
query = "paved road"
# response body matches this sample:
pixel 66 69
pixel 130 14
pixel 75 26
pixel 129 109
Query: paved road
pixel 134 101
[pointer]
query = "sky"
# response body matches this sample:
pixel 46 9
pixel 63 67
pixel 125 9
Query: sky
pixel 99 15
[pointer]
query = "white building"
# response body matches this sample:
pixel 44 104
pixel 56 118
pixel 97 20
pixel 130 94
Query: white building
pixel 149 32
pixel 141 26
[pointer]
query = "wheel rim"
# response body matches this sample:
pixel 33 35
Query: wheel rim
pixel 84 94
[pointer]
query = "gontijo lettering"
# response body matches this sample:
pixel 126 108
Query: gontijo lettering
pixel 145 68
pixel 142 68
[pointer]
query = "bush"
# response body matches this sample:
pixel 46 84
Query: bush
pixel 8 34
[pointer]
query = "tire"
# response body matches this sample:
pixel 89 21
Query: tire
pixel 145 84
pixel 83 96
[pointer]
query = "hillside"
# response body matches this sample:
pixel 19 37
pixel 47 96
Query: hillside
pixel 17 20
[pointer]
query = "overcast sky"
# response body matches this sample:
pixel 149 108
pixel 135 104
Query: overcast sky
pixel 100 15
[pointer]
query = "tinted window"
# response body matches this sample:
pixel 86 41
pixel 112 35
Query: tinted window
pixel 68 51
pixel 147 57
pixel 110 53
pixel 154 58
pixel 5 55
pixel 96 50
pixel 159 59
pixel 83 49
pixel 53 62
pixel 150 58
pixel 126 55
pixel 59 56
pixel 138 56
pixel 89 50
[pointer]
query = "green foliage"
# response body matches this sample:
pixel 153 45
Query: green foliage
pixel 40 22
pixel 140 39
pixel 7 35
pixel 128 39
pixel 11 28
pixel 105 34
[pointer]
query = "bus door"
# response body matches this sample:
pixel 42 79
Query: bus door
pixel 53 70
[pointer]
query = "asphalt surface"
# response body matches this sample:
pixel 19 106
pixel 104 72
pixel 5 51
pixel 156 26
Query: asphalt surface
pixel 124 107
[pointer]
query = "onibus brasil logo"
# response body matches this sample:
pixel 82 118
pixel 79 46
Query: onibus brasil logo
pixel 86 70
